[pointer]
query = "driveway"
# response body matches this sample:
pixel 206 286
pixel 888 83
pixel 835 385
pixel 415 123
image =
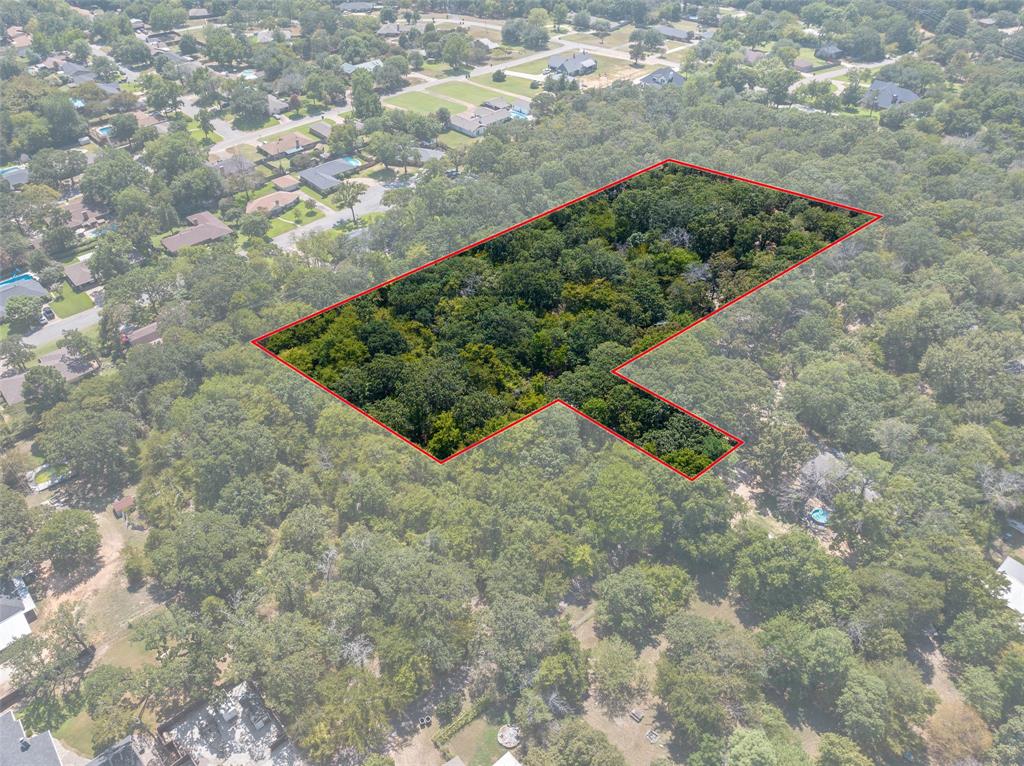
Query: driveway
pixel 371 202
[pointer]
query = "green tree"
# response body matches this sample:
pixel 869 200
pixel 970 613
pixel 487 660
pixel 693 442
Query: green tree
pixel 17 525
pixel 837 750
pixel 348 195
pixel 43 389
pixel 22 312
pixel 365 103
pixel 617 675
pixel 635 602
pixel 69 538
pixel 15 353
pixel 455 50
pixel 751 747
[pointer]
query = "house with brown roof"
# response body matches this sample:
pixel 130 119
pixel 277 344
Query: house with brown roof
pixel 206 227
pixel 286 145
pixel 78 275
pixel 273 204
pixel 286 183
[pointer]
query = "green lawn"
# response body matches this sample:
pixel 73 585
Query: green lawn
pixel 514 86
pixel 440 69
pixel 531 67
pixel 477 744
pixel 464 91
pixel 423 103
pixel 454 140
pixel 615 39
pixel 70 302
pixel 279 226
pixel 319 197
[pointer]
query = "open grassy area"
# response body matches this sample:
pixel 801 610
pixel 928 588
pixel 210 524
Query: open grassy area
pixel 477 744
pixel 70 302
pixel 531 67
pixel 464 91
pixel 454 140
pixel 325 199
pixel 615 39
pixel 514 86
pixel 424 103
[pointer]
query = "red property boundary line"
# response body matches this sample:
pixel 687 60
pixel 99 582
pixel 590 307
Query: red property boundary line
pixel 617 370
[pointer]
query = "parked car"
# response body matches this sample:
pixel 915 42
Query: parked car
pixel 48 313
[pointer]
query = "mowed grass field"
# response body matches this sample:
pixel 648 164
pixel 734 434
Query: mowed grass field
pixel 515 86
pixel 424 103
pixel 464 91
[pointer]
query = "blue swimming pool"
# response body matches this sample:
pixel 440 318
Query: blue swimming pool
pixel 105 130
pixel 820 515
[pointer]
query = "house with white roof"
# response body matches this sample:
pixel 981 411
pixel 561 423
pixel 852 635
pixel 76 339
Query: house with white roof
pixel 1013 571
pixel 17 610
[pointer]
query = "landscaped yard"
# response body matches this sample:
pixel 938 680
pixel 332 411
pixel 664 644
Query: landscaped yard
pixel 464 91
pixel 423 102
pixel 514 86
pixel 297 216
pixel 70 302
pixel 454 140
pixel 477 744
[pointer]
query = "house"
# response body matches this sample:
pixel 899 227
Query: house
pixel 78 275
pixel 355 7
pixel 752 55
pixel 830 52
pixel 142 336
pixel 286 145
pixel 11 387
pixel 18 39
pixel 122 506
pixel 18 750
pixel 508 760
pixel 672 33
pixel 659 78
pixel 139 748
pixel 275 106
pixel 17 287
pixel 321 130
pixel 81 215
pixel 237 728
pixel 426 155
pixel 803 65
pixel 15 175
pixel 17 610
pixel 486 43
pixel 884 95
pixel 475 121
pixel 1013 570
pixel 286 183
pixel 576 65
pixel 183 65
pixel 233 166
pixel 145 119
pixel 327 176
pixel 273 204
pixel 197 14
pixel 369 66
pixel 271 35
pixel 137 24
pixel 206 227
pixel 77 74
pixel 398 28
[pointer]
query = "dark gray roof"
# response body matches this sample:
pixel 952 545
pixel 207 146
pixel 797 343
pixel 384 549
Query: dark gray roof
pixel 15 176
pixel 883 94
pixel 575 64
pixel 659 78
pixel 18 750
pixel 21 287
pixel 232 166
pixel 119 754
pixel 324 177
pixel 672 33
